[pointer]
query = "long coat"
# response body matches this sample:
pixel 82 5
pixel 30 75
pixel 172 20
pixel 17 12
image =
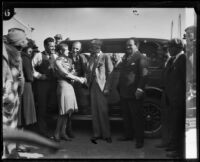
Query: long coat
pixel 27 112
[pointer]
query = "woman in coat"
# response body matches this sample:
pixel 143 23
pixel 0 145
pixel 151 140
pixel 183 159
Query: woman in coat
pixel 27 112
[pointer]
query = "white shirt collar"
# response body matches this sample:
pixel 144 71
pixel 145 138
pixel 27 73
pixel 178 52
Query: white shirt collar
pixel 177 56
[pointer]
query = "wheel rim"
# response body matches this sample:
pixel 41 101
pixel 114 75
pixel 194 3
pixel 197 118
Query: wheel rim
pixel 152 117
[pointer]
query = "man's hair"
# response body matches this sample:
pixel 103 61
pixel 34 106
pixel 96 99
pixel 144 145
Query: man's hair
pixel 96 41
pixel 47 40
pixel 136 41
pixel 176 42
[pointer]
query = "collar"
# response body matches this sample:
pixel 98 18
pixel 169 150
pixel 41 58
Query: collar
pixel 177 56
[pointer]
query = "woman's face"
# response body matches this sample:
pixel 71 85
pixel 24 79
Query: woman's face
pixel 65 51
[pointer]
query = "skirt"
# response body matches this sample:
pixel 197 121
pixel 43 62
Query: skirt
pixel 27 112
pixel 66 97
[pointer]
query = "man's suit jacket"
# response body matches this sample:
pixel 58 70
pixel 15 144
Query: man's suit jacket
pixel 175 80
pixel 100 68
pixel 132 75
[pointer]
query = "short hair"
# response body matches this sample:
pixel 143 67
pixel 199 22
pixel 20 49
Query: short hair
pixel 97 42
pixel 136 41
pixel 176 42
pixel 47 40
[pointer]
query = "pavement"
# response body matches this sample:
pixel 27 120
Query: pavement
pixel 82 148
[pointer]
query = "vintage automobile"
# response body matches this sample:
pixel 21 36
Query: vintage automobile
pixel 156 52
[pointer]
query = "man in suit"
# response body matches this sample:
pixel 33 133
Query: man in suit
pixel 43 67
pixel 79 62
pixel 131 90
pixel 99 69
pixel 175 91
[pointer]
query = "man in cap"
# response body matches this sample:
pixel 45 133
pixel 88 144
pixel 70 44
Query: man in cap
pixel 58 38
pixel 175 91
pixel 99 69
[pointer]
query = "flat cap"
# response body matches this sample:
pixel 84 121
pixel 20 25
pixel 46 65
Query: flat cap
pixel 58 36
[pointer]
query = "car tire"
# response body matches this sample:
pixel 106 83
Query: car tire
pixel 152 118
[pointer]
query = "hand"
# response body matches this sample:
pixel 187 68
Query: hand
pixel 138 94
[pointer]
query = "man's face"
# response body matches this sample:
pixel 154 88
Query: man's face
pixel 115 57
pixel 94 48
pixel 130 46
pixel 76 48
pixel 58 40
pixel 65 51
pixel 50 47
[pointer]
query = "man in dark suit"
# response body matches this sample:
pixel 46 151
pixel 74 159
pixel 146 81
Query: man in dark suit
pixel 131 90
pixel 79 62
pixel 99 69
pixel 175 91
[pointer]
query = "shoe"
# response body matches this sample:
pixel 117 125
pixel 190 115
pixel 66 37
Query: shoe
pixel 108 140
pixel 125 139
pixel 94 139
pixel 173 154
pixel 56 139
pixel 64 137
pixel 70 134
pixel 139 145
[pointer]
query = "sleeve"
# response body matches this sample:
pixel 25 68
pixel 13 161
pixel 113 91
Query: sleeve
pixel 37 60
pixel 27 69
pixel 63 70
pixel 21 80
pixel 143 72
pixel 109 69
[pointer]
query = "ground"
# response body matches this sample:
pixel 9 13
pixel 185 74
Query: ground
pixel 82 148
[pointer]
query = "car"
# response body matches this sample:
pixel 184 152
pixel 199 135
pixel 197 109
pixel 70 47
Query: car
pixel 155 51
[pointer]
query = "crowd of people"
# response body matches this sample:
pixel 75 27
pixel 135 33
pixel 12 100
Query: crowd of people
pixel 34 82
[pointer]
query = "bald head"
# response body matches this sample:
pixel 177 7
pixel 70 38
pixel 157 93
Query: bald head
pixel 76 48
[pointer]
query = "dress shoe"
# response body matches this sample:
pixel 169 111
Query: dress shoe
pixel 173 154
pixel 125 139
pixel 139 144
pixel 94 139
pixel 56 139
pixel 109 140
pixel 65 137
pixel 70 134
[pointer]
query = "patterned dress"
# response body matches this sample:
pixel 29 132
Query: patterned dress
pixel 65 91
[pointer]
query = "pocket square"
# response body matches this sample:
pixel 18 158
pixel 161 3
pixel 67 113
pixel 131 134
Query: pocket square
pixel 132 63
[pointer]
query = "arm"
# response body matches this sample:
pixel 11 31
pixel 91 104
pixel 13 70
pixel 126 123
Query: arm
pixel 37 60
pixel 109 69
pixel 142 72
pixel 64 72
pixel 21 80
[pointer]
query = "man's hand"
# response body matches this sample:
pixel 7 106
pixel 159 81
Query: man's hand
pixel 139 93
